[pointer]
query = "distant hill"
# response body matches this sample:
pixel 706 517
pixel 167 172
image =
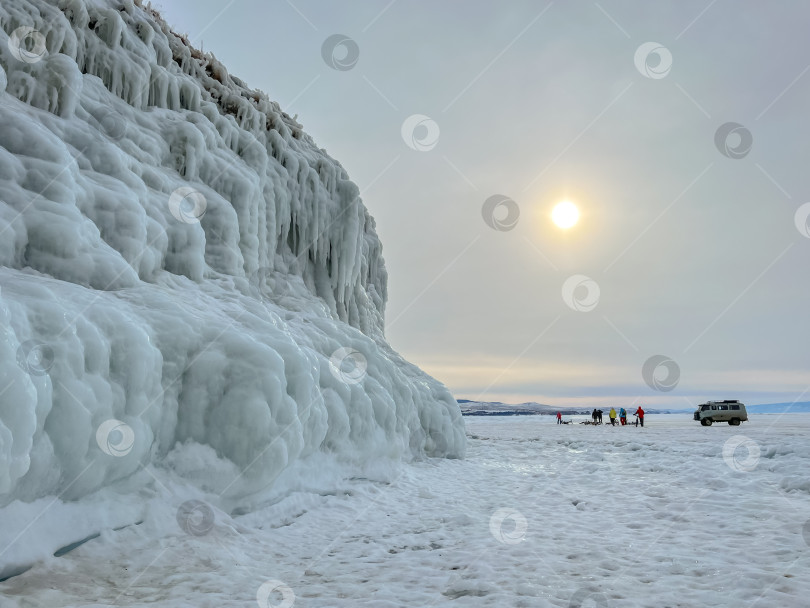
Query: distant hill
pixel 779 408
pixel 496 408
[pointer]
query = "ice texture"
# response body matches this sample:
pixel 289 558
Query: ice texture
pixel 180 264
pixel 539 515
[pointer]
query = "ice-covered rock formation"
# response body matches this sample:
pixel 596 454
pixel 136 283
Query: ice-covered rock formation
pixel 180 266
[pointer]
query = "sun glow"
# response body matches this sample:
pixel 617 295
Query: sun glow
pixel 565 215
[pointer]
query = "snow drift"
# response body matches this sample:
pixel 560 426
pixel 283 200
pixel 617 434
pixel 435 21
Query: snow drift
pixel 180 266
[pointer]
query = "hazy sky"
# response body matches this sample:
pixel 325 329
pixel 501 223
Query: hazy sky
pixel 684 251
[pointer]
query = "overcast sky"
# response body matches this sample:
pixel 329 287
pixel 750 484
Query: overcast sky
pixel 688 245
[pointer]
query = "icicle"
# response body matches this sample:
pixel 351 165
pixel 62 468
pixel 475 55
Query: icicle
pixel 178 258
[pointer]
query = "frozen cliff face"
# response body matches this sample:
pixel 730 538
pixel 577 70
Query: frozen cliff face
pixel 179 265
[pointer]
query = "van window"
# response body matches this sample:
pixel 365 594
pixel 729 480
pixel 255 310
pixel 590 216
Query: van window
pixel 735 407
pixel 723 407
pixel 704 408
pixel 714 407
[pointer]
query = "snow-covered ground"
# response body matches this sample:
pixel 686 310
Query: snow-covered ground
pixel 671 515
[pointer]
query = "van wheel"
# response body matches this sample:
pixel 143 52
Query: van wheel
pixel 734 422
pixel 707 421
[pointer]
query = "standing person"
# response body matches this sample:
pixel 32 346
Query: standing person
pixel 599 416
pixel 612 415
pixel 623 416
pixel 593 416
pixel 559 417
pixel 640 414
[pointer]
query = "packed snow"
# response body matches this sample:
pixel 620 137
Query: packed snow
pixel 672 515
pixel 186 281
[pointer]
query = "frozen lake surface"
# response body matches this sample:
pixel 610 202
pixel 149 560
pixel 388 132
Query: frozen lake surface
pixel 671 515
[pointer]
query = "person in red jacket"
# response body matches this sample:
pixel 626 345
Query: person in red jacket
pixel 640 414
pixel 559 417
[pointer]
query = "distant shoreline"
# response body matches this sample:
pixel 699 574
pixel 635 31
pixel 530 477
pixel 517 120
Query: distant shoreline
pixel 646 412
pixel 485 408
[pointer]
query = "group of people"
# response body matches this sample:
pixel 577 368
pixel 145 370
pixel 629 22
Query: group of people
pixel 623 416
pixel 596 416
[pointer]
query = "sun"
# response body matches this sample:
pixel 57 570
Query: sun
pixel 565 215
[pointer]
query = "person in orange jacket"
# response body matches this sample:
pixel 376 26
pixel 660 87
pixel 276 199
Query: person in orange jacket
pixel 640 414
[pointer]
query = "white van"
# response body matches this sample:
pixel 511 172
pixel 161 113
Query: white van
pixel 729 411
